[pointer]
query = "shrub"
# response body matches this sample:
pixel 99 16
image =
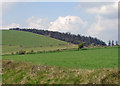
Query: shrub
pixel 80 46
pixel 21 52
pixel 17 52
pixel 32 51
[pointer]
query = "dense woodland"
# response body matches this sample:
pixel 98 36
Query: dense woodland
pixel 68 37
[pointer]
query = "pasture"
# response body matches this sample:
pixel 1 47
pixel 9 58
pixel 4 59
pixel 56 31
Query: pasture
pixel 86 59
pixel 13 41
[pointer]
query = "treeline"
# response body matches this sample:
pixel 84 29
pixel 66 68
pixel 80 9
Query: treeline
pixel 112 43
pixel 68 37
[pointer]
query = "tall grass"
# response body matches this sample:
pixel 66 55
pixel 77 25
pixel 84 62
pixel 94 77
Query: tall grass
pixel 27 73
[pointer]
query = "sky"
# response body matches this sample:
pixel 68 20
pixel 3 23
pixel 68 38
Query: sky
pixel 96 19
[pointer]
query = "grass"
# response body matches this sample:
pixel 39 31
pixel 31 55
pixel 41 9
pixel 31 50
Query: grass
pixel 28 73
pixel 92 58
pixel 86 66
pixel 13 41
pixel 6 49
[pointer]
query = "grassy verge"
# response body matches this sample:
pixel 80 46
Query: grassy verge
pixel 28 73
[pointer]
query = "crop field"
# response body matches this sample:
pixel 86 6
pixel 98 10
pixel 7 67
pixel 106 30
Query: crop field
pixel 86 59
pixel 18 40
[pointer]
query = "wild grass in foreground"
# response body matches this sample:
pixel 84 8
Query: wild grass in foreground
pixel 27 73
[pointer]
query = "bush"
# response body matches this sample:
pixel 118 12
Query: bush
pixel 17 52
pixel 32 51
pixel 21 52
pixel 12 53
pixel 80 46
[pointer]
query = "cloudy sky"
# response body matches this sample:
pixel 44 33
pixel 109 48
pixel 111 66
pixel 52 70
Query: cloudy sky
pixel 96 19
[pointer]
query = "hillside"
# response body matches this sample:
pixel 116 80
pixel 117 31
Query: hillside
pixel 68 37
pixel 15 40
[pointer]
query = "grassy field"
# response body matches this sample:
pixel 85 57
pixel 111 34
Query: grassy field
pixel 85 59
pixel 71 66
pixel 13 41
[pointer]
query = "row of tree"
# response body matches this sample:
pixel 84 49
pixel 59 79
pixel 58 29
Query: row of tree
pixel 112 43
pixel 68 37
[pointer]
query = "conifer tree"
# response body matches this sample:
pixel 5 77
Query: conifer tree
pixel 109 43
pixel 112 43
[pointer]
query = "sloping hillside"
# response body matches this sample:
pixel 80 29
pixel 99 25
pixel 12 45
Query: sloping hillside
pixel 16 40
pixel 68 37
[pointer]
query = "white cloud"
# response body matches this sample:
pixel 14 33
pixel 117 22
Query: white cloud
pixel 104 28
pixel 13 25
pixel 108 9
pixel 72 24
pixel 39 23
pixel 105 25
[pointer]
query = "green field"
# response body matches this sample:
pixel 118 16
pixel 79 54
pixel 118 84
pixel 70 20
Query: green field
pixel 86 59
pixel 13 41
pixel 52 66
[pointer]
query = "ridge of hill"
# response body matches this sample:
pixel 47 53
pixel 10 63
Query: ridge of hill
pixel 68 37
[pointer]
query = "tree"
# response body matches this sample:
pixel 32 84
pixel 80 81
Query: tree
pixel 112 43
pixel 116 43
pixel 109 43
pixel 81 45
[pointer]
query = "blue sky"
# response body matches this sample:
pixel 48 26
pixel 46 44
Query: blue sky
pixel 49 10
pixel 89 18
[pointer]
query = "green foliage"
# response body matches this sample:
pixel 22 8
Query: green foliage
pixel 81 45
